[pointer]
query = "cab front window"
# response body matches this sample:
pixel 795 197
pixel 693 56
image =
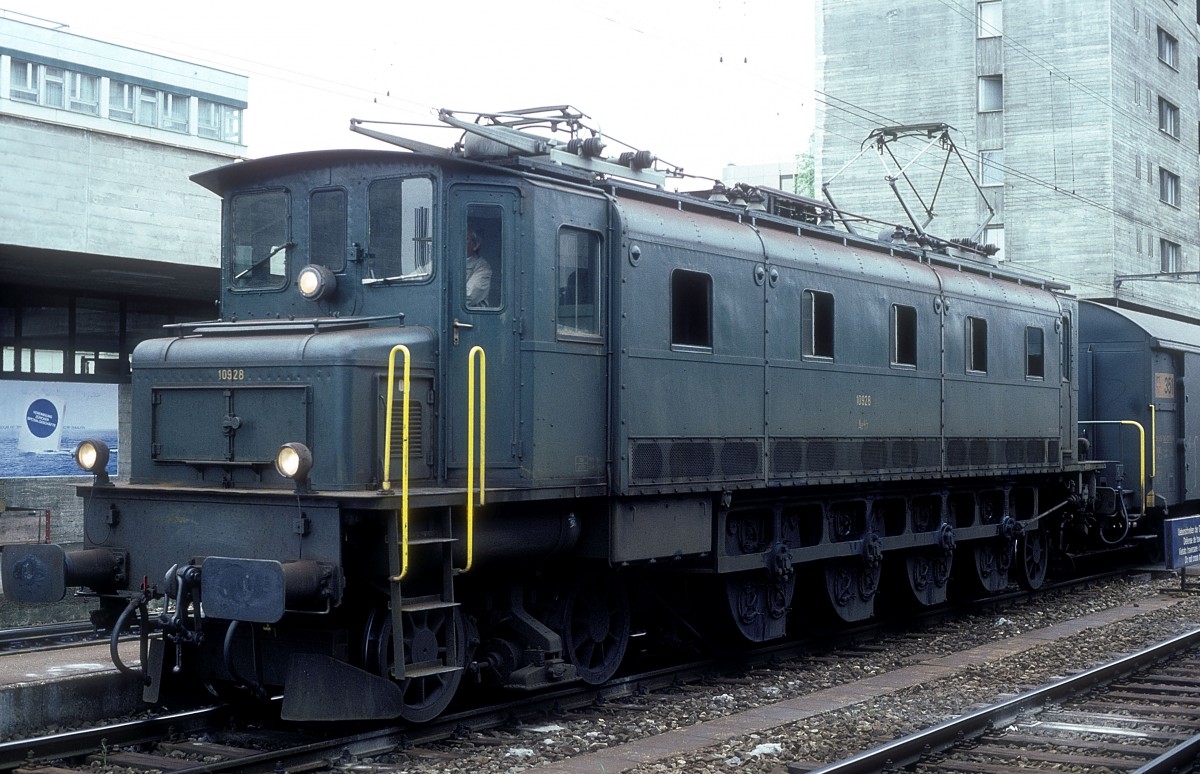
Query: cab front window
pixel 259 241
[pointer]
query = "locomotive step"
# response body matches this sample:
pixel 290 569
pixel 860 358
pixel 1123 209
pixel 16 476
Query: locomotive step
pixel 431 541
pixel 429 671
pixel 426 604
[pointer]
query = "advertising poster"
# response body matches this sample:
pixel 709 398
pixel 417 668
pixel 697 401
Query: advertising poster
pixel 42 422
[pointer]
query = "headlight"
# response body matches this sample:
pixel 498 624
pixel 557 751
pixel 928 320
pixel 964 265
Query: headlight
pixel 316 281
pixel 92 455
pixel 293 460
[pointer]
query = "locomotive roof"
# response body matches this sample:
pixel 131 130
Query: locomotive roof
pixel 221 179
pixel 504 146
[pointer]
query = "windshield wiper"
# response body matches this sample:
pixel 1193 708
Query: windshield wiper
pixel 274 251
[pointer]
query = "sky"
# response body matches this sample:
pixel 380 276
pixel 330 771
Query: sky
pixel 701 83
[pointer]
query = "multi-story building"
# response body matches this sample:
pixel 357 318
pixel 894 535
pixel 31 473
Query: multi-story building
pixel 780 175
pixel 1079 120
pixel 103 239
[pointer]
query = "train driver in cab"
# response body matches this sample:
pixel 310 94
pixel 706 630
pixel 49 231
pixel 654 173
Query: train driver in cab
pixel 479 272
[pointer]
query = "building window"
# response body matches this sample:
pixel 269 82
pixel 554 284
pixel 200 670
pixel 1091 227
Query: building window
pixel 1168 187
pixel 990 19
pixel 121 101
pixel 977 350
pixel 1168 256
pixel 219 122
pixel 691 309
pixel 991 167
pixel 904 335
pixel 1168 118
pixel 1168 49
pixel 147 107
pixel 818 324
pixel 994 235
pixel 1035 353
pixel 84 93
pixel 54 87
pixel 578 282
pixel 23 81
pixel 175 112
pixel 991 93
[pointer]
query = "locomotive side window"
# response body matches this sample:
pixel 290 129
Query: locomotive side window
pixel 400 228
pixel 904 335
pixel 578 282
pixel 259 240
pixel 484 256
pixel 818 324
pixel 1035 353
pixel 977 341
pixel 691 309
pixel 327 229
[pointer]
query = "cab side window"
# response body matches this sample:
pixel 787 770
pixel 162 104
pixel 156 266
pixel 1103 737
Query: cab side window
pixel 578 283
pixel 400 228
pixel 1035 353
pixel 691 309
pixel 818 324
pixel 484 256
pixel 977 345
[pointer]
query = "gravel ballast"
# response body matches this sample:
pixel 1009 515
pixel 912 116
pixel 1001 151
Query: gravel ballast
pixel 831 736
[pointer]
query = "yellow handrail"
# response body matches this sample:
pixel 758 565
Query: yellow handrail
pixel 1153 439
pixel 471 358
pixel 1146 496
pixel 387 450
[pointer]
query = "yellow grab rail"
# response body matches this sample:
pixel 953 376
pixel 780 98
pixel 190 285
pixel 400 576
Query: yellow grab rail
pixel 1146 496
pixel 471 394
pixel 387 450
pixel 1153 439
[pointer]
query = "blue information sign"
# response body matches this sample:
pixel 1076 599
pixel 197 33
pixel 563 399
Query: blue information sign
pixel 42 418
pixel 1182 541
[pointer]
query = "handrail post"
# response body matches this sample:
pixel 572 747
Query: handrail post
pixel 1146 496
pixel 387 449
pixel 476 353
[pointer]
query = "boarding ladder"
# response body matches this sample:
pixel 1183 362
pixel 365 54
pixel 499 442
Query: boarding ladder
pixel 427 601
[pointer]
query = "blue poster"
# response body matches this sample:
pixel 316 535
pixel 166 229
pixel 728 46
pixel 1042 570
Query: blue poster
pixel 42 422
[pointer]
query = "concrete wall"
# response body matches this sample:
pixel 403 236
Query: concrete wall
pixel 906 62
pixel 81 191
pixel 55 494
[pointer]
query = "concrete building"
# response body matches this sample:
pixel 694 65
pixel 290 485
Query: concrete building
pixel 103 239
pixel 780 175
pixel 1080 120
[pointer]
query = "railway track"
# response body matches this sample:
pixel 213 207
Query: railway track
pixel 261 746
pixel 1139 713
pixel 48 636
pixel 167 742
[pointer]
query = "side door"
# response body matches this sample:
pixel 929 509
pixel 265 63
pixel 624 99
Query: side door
pixel 483 310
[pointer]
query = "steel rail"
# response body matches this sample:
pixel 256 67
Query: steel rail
pixel 94 740
pixel 914 747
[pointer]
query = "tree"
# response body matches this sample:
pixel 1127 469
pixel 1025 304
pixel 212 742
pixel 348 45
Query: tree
pixel 804 181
